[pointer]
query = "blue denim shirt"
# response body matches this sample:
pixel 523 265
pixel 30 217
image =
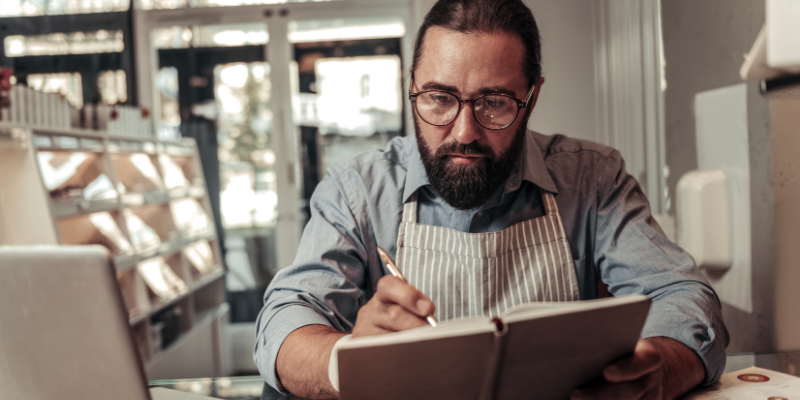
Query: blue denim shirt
pixel 612 236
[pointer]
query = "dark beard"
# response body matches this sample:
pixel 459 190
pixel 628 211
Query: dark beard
pixel 467 186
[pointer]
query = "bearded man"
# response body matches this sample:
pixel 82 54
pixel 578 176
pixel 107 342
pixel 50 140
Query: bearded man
pixel 473 183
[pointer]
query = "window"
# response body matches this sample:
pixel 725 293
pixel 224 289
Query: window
pixel 230 35
pixel 28 8
pixel 172 4
pixel 166 83
pixel 247 162
pixel 101 41
pixel 66 83
pixel 345 29
pixel 348 95
pixel 112 86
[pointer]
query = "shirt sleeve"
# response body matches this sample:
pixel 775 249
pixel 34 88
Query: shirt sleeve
pixel 323 286
pixel 634 256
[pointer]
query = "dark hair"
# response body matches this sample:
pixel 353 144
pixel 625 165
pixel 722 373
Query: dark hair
pixel 487 16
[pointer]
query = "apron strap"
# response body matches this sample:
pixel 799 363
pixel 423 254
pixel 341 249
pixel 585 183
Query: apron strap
pixel 410 209
pixel 549 202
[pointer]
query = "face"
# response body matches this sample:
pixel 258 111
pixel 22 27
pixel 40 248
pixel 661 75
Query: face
pixel 465 162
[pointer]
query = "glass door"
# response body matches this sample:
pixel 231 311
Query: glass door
pixel 346 91
pixel 303 85
pixel 214 85
pixel 336 80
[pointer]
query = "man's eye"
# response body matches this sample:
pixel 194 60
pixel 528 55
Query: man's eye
pixel 495 102
pixel 441 99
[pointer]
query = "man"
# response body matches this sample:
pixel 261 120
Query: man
pixel 475 204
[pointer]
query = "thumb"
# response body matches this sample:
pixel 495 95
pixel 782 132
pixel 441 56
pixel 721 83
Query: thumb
pixel 646 358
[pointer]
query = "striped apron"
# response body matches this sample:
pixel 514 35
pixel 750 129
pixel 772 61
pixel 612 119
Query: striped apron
pixel 483 274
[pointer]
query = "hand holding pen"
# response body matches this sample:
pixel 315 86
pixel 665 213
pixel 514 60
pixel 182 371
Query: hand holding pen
pixel 395 306
pixel 396 272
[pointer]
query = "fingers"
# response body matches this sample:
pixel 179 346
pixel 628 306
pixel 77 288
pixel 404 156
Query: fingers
pixel 395 290
pixel 394 318
pixel 396 306
pixel 634 377
pixel 646 387
pixel 646 358
pixel 367 322
pixel 364 328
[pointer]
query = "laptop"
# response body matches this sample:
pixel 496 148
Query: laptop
pixel 64 331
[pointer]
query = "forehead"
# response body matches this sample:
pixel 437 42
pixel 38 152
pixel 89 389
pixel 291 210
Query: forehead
pixel 470 61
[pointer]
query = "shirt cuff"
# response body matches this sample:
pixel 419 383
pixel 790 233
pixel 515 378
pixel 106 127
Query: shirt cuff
pixel 702 339
pixel 275 332
pixel 333 363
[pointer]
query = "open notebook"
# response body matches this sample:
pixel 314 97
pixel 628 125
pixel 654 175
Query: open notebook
pixel 536 350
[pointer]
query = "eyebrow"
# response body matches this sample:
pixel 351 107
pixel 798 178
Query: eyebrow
pixel 484 90
pixel 439 86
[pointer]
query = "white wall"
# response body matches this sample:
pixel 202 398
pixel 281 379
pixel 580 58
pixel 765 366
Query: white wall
pixel 567 102
pixel 703 47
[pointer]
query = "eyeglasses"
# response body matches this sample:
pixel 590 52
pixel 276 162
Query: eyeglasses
pixel 493 111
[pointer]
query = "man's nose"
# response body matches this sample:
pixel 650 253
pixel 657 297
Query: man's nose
pixel 465 128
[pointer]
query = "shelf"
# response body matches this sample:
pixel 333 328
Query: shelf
pixel 163 250
pixel 192 218
pixel 201 256
pixel 89 133
pixel 67 143
pixel 171 247
pixel 92 134
pixel 101 228
pixel 49 130
pixel 210 236
pixel 140 199
pixel 150 226
pixel 77 207
pixel 196 192
pixel 154 309
pixel 14 137
pixel 103 187
pixel 123 146
pixel 125 262
pixel 178 149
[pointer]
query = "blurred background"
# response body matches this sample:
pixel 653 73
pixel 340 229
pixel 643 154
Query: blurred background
pixel 273 92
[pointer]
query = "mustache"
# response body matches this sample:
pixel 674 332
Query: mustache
pixel 472 148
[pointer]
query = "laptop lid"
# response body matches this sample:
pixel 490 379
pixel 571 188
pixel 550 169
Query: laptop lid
pixel 64 331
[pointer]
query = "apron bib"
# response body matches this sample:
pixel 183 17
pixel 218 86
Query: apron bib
pixel 484 274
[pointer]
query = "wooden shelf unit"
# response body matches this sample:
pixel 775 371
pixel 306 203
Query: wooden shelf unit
pixel 33 212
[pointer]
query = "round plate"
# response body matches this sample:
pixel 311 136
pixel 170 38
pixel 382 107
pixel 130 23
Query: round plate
pixel 753 378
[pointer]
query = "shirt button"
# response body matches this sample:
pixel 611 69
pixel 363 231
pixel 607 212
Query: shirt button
pixel 480 214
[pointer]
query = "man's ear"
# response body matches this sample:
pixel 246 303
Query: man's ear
pixel 535 96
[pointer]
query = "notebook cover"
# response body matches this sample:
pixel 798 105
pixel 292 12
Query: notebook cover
pixel 544 358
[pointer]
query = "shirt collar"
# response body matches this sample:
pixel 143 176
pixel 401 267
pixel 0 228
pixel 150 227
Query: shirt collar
pixel 416 176
pixel 531 168
pixel 532 165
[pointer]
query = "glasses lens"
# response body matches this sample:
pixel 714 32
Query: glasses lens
pixel 437 108
pixel 495 112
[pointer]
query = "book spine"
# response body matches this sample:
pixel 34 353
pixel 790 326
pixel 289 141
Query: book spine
pixel 489 388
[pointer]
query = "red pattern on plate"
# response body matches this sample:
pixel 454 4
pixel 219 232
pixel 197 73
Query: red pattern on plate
pixel 753 378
